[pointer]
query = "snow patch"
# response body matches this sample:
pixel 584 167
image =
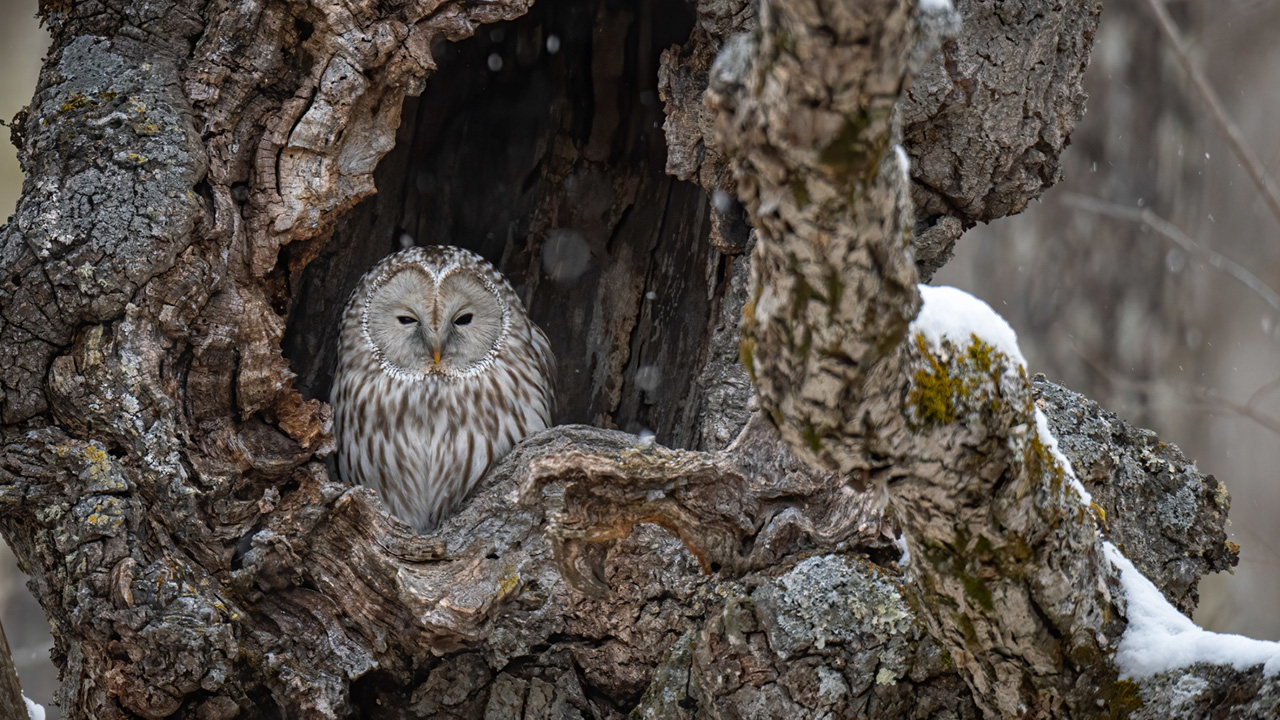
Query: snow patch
pixel 1051 444
pixel 1159 638
pixel 904 162
pixel 35 711
pixel 935 5
pixel 905 559
pixel 952 314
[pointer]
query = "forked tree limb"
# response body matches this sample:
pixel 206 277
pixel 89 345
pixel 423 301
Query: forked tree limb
pixel 1253 166
pixel 1007 556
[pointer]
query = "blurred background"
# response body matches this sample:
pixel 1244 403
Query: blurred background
pixel 1171 320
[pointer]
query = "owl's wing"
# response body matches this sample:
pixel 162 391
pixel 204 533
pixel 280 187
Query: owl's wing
pixel 545 364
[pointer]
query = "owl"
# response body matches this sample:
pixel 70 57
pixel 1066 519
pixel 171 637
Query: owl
pixel 440 372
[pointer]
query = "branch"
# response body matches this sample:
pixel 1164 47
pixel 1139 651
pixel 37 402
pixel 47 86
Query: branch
pixel 1204 396
pixel 1235 139
pixel 1005 547
pixel 12 704
pixel 731 509
pixel 160 475
pixel 819 168
pixel 1175 234
pixel 1166 515
pixel 986 121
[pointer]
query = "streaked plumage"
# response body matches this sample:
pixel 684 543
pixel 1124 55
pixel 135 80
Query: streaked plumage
pixel 422 431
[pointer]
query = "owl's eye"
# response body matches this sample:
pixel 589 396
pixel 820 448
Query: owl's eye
pixel 406 319
pixel 463 319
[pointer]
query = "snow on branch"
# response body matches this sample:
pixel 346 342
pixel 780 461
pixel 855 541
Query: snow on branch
pixel 1158 638
pixel 949 313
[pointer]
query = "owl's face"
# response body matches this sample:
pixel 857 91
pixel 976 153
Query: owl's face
pixel 428 324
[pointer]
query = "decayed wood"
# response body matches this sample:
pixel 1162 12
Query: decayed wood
pixel 197 198
pixel 609 252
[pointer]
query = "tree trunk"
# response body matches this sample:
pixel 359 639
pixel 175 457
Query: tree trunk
pixel 200 201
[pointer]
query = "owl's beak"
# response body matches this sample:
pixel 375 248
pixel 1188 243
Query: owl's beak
pixel 435 354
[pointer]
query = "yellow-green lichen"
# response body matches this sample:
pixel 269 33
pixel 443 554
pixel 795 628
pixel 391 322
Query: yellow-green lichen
pixel 1017 547
pixel 1123 697
pixel 1221 497
pixel 800 191
pixel 746 355
pixel 805 346
pixel 784 41
pixel 980 355
pixel 966 627
pixel 979 591
pixel 853 155
pixel 1041 463
pixel 802 292
pixel 76 101
pixel 810 435
pixel 954 384
pixel 933 394
pixel 983 545
pixel 936 391
pixel 747 346
pixel 835 291
pixel 99 461
pixel 508 584
pixel 1099 513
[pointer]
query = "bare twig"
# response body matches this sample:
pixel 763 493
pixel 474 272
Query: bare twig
pixel 1212 399
pixel 1262 392
pixel 1203 396
pixel 1235 139
pixel 1175 234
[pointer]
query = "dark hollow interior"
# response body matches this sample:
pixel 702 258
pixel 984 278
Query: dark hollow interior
pixel 551 166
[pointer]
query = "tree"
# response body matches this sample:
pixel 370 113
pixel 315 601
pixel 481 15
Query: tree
pixel 200 198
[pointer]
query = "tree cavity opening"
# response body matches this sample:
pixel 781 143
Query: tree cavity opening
pixel 538 143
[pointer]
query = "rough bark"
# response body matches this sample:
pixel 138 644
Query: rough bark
pixel 1010 573
pixel 986 122
pixel 11 702
pixel 197 207
pixel 1168 517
